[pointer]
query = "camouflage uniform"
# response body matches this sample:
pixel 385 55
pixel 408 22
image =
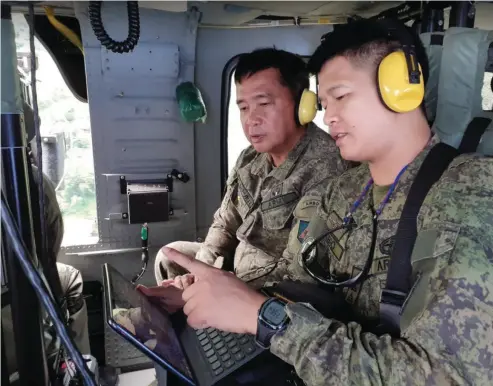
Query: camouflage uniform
pixel 251 228
pixel 70 280
pixel 447 322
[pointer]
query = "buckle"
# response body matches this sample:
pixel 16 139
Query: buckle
pixel 393 298
pixel 391 303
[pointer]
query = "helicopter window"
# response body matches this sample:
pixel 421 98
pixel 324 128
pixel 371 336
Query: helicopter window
pixel 319 118
pixel 66 136
pixel 487 92
pixel 236 138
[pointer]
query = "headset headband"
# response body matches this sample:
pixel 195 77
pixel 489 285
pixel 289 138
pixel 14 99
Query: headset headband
pixel 397 31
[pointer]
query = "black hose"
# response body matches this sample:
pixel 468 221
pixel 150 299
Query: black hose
pixel 145 259
pixel 144 236
pixel 43 293
pixel 133 27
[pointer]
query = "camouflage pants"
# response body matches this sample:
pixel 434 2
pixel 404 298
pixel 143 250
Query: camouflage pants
pixel 71 281
pixel 253 266
pixel 162 267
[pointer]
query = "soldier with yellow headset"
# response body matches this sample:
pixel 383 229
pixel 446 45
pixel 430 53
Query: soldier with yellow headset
pixel 288 157
pixel 406 238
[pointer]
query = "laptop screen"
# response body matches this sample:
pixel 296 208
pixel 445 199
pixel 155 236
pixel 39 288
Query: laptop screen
pixel 149 323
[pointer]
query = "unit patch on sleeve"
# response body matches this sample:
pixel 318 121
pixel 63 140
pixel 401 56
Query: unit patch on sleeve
pixel 302 230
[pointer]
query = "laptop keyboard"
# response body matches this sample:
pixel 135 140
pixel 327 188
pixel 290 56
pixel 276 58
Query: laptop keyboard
pixel 224 349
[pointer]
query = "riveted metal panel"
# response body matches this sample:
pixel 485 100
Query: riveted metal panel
pixel 148 60
pixel 136 126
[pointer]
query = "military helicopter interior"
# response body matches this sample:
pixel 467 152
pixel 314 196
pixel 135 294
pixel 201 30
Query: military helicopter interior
pixel 103 86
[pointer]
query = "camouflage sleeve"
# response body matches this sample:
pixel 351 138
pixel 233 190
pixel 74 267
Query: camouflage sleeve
pixel 53 214
pixel 304 214
pixel 447 322
pixel 221 238
pixel 321 171
pixel 324 169
pixel 53 217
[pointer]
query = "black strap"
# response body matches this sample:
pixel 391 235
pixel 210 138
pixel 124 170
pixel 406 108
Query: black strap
pixel 473 134
pixel 400 270
pixel 399 275
pixel 436 40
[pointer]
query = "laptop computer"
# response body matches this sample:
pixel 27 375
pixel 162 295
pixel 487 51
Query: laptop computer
pixel 198 357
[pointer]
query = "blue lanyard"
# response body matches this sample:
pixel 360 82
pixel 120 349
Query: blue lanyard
pixel 363 194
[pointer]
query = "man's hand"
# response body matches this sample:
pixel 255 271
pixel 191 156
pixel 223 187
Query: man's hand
pixel 217 298
pixel 169 293
pixel 181 281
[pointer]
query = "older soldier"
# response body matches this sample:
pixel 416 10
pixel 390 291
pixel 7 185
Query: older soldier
pixel 285 160
pixel 446 322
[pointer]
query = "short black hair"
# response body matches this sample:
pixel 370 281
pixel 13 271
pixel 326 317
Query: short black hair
pixel 367 41
pixel 292 68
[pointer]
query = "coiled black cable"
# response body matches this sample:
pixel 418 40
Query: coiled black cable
pixel 133 27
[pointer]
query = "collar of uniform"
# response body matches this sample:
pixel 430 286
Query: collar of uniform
pixel 415 164
pixel 283 170
pixel 261 165
pixel 352 187
pixel 395 205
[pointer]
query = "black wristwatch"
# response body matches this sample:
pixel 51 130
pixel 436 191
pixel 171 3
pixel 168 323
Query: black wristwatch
pixel 272 318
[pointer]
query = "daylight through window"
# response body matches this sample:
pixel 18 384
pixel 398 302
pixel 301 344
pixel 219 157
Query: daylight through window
pixel 66 136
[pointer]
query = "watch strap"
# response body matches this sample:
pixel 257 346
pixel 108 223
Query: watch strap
pixel 264 331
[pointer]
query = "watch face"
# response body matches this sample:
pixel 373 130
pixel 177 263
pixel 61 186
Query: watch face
pixel 274 313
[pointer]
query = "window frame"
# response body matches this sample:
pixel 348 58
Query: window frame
pixel 26 94
pixel 226 81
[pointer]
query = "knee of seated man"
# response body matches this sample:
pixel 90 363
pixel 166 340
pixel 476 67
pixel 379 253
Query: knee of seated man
pixel 164 269
pixel 72 286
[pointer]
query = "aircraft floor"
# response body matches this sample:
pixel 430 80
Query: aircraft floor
pixel 138 378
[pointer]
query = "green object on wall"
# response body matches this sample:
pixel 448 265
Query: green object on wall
pixel 191 104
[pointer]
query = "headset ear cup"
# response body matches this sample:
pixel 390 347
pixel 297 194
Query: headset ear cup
pixel 307 107
pixel 393 84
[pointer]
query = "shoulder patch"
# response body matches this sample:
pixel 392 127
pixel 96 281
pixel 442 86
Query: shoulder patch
pixel 387 245
pixel 311 203
pixel 302 230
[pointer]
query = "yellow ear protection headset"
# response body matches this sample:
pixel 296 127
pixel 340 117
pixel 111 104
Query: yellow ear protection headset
pixel 306 107
pixel 399 75
pixel 399 78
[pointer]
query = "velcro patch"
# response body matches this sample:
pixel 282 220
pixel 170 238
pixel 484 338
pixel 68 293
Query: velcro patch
pixel 380 266
pixel 333 242
pixel 387 245
pixel 277 201
pixel 244 195
pixel 334 220
pixel 302 230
